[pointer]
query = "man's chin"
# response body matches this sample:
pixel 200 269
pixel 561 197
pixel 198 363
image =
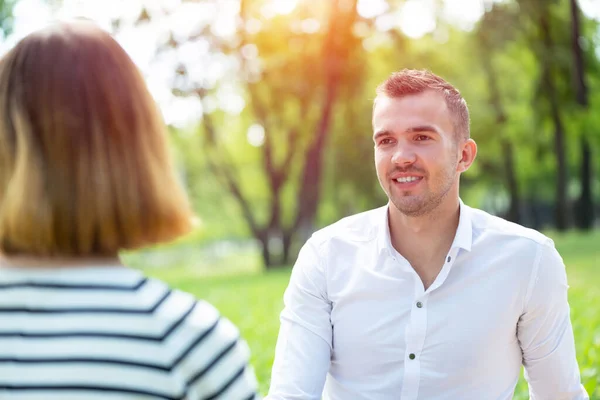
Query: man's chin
pixel 413 206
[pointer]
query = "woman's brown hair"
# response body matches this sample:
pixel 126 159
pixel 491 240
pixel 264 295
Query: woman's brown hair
pixel 84 164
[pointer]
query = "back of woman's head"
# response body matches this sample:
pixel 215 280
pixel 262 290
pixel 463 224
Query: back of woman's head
pixel 84 168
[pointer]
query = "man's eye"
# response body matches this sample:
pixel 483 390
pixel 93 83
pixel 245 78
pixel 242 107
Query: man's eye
pixel 385 141
pixel 422 138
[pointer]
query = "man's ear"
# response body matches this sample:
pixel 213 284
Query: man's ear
pixel 467 155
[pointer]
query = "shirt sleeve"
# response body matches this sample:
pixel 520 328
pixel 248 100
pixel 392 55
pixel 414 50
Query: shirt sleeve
pixel 303 351
pixel 545 332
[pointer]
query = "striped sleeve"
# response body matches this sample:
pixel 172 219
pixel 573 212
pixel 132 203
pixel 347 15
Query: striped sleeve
pixel 215 364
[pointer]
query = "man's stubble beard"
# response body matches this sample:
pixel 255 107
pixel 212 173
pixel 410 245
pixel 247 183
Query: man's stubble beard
pixel 431 200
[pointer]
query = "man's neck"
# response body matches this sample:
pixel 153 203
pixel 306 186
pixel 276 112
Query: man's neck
pixel 423 238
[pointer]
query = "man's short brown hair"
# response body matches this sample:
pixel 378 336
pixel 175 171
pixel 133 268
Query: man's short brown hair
pixel 84 165
pixel 410 81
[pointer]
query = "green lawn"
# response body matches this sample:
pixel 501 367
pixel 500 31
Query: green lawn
pixel 253 302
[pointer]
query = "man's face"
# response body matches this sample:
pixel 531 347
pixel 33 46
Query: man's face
pixel 416 152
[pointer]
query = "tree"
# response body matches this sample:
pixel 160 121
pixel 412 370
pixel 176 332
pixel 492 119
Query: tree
pixel 537 22
pixel 585 204
pixel 492 38
pixel 6 16
pixel 291 90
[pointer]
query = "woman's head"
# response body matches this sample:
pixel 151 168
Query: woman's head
pixel 84 168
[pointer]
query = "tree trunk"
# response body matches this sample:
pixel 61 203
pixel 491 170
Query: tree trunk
pixel 562 205
pixel 514 213
pixel 507 148
pixel 578 65
pixel 266 251
pixel 561 214
pixel 341 21
pixel 585 203
pixel 287 244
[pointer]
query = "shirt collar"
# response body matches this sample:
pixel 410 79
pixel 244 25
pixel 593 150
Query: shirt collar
pixel 464 233
pixel 463 238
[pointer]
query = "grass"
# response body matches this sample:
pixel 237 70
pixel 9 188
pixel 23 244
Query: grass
pixel 253 302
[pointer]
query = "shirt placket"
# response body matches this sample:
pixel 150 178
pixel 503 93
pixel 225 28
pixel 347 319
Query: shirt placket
pixel 414 337
pixel 416 331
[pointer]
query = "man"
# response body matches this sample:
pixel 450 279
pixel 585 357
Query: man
pixel 425 298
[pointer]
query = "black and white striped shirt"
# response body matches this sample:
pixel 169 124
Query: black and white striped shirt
pixel 111 333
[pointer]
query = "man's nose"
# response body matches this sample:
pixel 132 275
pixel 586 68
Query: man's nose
pixel 403 155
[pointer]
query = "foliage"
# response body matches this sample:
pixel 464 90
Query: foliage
pixel 515 68
pixel 6 16
pixel 275 179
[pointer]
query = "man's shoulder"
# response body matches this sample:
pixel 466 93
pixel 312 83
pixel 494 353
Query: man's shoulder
pixel 358 227
pixel 485 223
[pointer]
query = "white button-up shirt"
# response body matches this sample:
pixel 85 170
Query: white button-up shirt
pixel 358 323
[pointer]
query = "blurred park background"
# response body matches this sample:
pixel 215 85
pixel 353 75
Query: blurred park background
pixel 269 108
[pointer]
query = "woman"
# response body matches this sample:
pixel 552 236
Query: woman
pixel 85 173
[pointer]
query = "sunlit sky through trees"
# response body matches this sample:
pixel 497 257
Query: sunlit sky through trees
pixel 415 18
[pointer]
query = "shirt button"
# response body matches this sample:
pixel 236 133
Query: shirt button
pixel 449 258
pixel 411 356
pixel 419 304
